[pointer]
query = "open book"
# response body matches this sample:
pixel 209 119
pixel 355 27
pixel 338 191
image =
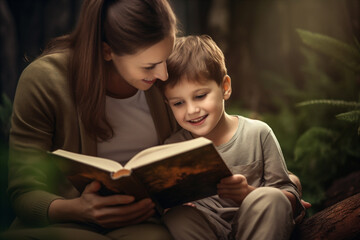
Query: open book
pixel 169 174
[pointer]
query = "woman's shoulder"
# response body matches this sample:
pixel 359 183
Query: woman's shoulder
pixel 46 76
pixel 46 71
pixel 47 67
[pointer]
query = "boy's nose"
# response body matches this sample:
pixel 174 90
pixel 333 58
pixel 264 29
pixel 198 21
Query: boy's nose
pixel 193 108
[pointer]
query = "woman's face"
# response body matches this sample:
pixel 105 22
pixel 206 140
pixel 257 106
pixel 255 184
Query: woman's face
pixel 142 69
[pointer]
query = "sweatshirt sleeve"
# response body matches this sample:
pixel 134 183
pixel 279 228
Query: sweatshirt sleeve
pixel 32 175
pixel 276 173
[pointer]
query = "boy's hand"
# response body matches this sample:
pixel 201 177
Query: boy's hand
pixel 306 204
pixel 235 188
pixel 297 182
pixel 190 204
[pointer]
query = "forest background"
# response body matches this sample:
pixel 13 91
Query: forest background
pixel 294 64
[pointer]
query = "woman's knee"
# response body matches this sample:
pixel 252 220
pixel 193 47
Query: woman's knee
pixel 54 233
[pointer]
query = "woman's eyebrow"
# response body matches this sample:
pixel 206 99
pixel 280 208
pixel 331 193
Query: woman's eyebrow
pixel 153 64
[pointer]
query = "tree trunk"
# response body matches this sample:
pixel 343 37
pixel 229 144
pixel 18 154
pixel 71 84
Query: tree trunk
pixel 343 188
pixel 340 221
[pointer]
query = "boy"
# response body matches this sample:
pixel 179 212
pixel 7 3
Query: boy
pixel 259 201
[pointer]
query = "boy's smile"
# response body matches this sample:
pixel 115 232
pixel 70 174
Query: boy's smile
pixel 199 120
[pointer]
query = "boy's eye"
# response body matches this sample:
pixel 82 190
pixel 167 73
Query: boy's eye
pixel 200 96
pixel 176 104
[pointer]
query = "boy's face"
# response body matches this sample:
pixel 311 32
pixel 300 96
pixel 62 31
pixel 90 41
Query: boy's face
pixel 198 106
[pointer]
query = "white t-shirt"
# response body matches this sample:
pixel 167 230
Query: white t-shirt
pixel 133 126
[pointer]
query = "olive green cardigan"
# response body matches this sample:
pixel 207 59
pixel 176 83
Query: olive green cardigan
pixel 44 119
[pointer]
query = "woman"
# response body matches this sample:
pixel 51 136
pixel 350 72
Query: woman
pixel 91 92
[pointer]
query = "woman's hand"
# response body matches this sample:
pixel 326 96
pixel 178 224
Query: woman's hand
pixel 235 188
pixel 109 212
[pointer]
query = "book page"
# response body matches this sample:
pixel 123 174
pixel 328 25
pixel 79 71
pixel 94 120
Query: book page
pixel 157 153
pixel 101 163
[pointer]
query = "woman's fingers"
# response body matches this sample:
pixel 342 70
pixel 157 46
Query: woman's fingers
pixel 125 214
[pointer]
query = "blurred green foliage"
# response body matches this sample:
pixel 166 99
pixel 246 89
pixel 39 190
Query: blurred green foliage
pixel 330 147
pixel 317 120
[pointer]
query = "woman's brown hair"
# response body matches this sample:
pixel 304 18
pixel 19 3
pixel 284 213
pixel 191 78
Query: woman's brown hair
pixel 126 26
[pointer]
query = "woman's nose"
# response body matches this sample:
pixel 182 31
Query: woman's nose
pixel 161 71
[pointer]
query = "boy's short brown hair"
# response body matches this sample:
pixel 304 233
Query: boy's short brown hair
pixel 196 58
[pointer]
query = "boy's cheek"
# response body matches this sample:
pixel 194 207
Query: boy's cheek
pixel 177 114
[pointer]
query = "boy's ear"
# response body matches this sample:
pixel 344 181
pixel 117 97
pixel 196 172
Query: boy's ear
pixel 106 51
pixel 226 86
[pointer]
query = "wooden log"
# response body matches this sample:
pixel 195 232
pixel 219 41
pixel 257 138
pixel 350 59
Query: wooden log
pixel 343 188
pixel 340 221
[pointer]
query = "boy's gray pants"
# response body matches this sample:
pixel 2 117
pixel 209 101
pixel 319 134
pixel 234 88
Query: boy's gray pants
pixel 265 213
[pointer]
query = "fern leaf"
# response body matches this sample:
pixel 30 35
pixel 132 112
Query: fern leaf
pixel 345 53
pixel 352 116
pixel 338 103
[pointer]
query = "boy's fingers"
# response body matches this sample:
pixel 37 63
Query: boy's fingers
pixel 233 179
pixel 229 186
pixel 305 204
